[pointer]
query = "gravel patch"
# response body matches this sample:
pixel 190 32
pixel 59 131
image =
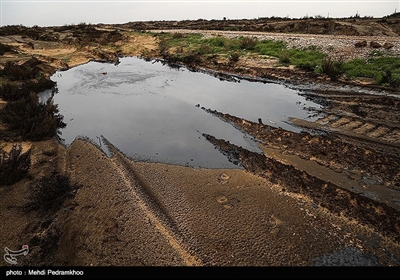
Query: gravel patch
pixel 336 46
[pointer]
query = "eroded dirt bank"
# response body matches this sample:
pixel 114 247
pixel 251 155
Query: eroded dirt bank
pixel 326 196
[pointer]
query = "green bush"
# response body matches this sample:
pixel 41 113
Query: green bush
pixel 270 47
pixel 284 57
pixel 383 69
pixel 14 165
pixel 218 41
pixel 307 59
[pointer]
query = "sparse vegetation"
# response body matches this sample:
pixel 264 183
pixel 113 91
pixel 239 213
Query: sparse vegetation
pixel 332 68
pixel 12 91
pixel 384 69
pixel 5 48
pixel 248 43
pixel 234 57
pixel 32 120
pixel 284 57
pixel 49 193
pixel 25 71
pixel 233 48
pixel 23 115
pixel 192 47
pixel 14 165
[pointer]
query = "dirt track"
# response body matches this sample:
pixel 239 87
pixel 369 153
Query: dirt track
pixel 327 196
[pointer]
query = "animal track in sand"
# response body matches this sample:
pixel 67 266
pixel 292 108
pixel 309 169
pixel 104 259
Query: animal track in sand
pixel 223 178
pixel 224 201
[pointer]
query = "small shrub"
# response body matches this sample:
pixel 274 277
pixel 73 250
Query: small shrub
pixel 16 90
pixel 223 44
pixel 205 49
pixel 13 91
pixel 284 57
pixel 178 35
pixel 13 165
pixel 395 79
pixel 39 84
pixel 234 57
pixel 384 77
pixel 27 70
pixel 5 48
pixel 307 65
pixel 189 58
pixel 248 43
pixel 49 193
pixel 270 47
pixel 332 68
pixel 163 47
pixel 33 120
pixel 218 41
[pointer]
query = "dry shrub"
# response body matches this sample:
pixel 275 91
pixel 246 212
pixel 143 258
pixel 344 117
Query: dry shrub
pixel 14 165
pixel 33 120
pixel 49 194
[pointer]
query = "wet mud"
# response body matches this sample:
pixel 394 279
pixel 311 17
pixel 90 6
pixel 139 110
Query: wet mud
pixel 325 194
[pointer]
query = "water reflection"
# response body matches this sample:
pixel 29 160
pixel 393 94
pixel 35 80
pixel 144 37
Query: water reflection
pixel 151 112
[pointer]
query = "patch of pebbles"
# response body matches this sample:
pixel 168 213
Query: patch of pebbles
pixel 336 46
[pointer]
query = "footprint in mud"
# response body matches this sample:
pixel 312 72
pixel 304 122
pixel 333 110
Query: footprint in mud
pixel 275 224
pixel 223 178
pixel 222 199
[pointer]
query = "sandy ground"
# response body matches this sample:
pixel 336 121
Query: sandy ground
pixel 129 213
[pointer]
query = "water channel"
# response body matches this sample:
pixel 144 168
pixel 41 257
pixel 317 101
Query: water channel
pixel 152 112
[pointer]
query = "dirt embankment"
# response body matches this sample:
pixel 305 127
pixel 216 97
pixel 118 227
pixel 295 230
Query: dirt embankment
pixel 326 196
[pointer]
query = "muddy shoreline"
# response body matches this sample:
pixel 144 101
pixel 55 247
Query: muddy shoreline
pixel 273 213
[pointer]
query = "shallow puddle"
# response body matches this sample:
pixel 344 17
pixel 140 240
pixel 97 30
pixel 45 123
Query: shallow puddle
pixel 152 112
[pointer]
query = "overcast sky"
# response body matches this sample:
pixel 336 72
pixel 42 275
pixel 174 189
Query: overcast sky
pixel 60 12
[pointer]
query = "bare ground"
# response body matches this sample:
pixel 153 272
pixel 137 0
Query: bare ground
pixel 326 197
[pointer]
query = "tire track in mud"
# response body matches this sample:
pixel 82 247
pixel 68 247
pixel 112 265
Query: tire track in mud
pixel 364 116
pixel 151 206
pixel 381 165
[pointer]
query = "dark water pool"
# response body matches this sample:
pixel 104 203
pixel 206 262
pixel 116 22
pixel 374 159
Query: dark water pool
pixel 151 111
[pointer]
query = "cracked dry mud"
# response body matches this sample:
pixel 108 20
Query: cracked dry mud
pixel 328 196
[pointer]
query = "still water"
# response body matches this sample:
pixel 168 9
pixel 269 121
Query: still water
pixel 152 112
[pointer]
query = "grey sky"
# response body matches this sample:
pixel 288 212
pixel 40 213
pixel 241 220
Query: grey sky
pixel 60 12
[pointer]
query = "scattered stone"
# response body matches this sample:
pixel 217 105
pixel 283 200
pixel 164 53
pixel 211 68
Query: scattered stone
pixel 388 45
pixel 361 44
pixel 374 45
